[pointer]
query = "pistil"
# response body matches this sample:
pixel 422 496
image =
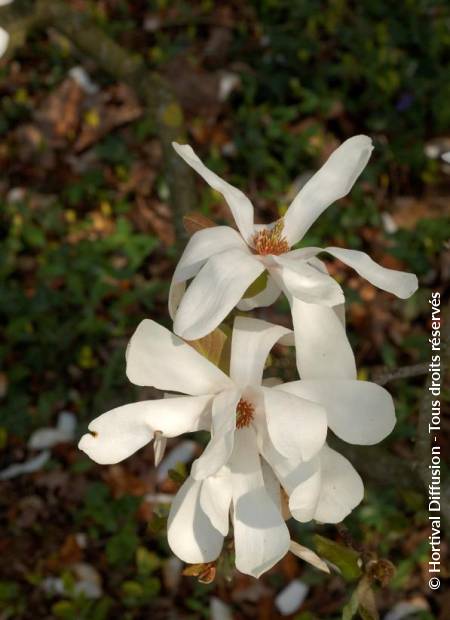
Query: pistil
pixel 271 241
pixel 244 413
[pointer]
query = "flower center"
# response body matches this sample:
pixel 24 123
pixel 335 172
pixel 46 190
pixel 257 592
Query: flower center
pixel 271 241
pixel 244 413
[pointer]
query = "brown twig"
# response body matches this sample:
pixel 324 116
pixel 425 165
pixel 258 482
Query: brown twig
pixel 405 372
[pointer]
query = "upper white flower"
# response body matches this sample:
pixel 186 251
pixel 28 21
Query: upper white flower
pixel 225 262
pixel 286 423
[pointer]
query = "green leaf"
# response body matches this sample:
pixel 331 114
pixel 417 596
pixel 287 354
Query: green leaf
pixel 344 558
pixel 257 286
pixel 147 561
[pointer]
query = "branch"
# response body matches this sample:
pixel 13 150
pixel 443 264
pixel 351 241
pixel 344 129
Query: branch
pixel 405 372
pixel 21 16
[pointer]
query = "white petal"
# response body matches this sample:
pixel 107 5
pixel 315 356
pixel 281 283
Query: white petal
pixel 4 41
pixel 118 433
pixel 305 281
pixel 322 346
pixel 251 343
pixel 190 534
pixel 159 447
pixel 304 498
pixel 220 447
pixel 156 357
pixel 215 500
pixel 214 292
pixel 399 283
pixel 202 245
pixel 333 181
pixel 308 555
pixel 261 536
pixel 297 426
pixel 240 205
pixel 359 412
pixel 342 488
pixel 263 299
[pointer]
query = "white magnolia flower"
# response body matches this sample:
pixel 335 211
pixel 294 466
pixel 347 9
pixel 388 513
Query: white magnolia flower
pixel 224 262
pixel 243 417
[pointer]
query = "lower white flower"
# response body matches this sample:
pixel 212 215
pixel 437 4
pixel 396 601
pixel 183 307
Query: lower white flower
pixel 286 423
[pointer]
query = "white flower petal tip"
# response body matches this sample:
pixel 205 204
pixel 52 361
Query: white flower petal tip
pixel 159 447
pixel 333 489
pixel 399 283
pixel 156 357
pixel 4 41
pixel 308 555
pixel 119 433
pixel 333 181
pixel 359 412
pixel 240 206
pixel 190 534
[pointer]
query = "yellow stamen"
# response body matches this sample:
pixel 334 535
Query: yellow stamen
pixel 271 241
pixel 244 413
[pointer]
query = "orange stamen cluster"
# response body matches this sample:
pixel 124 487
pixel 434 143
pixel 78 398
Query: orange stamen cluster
pixel 244 413
pixel 271 241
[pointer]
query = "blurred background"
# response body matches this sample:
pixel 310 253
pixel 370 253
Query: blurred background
pixel 91 206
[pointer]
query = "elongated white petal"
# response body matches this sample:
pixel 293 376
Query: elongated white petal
pixel 261 536
pixel 333 181
pixel 4 41
pixel 118 433
pixel 214 292
pixel 306 282
pixel 322 346
pixel 251 344
pixel 359 412
pixel 240 206
pixel 308 555
pixel 215 500
pixel 297 426
pixel 220 447
pixel 339 492
pixel 399 283
pixel 156 357
pixel 190 533
pixel 263 299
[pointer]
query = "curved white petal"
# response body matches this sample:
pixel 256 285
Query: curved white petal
pixel 219 449
pixel 214 292
pixel 308 555
pixel 240 206
pixel 333 181
pixel 297 426
pixel 156 357
pixel 190 533
pixel 118 433
pixel 306 282
pixel 339 492
pixel 322 346
pixel 4 41
pixel 399 283
pixel 202 245
pixel 215 500
pixel 260 533
pixel 342 488
pixel 263 299
pixel 252 340
pixel 359 412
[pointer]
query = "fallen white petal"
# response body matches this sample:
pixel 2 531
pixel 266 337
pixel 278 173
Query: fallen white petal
pixel 27 467
pixel 4 41
pixel 290 599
